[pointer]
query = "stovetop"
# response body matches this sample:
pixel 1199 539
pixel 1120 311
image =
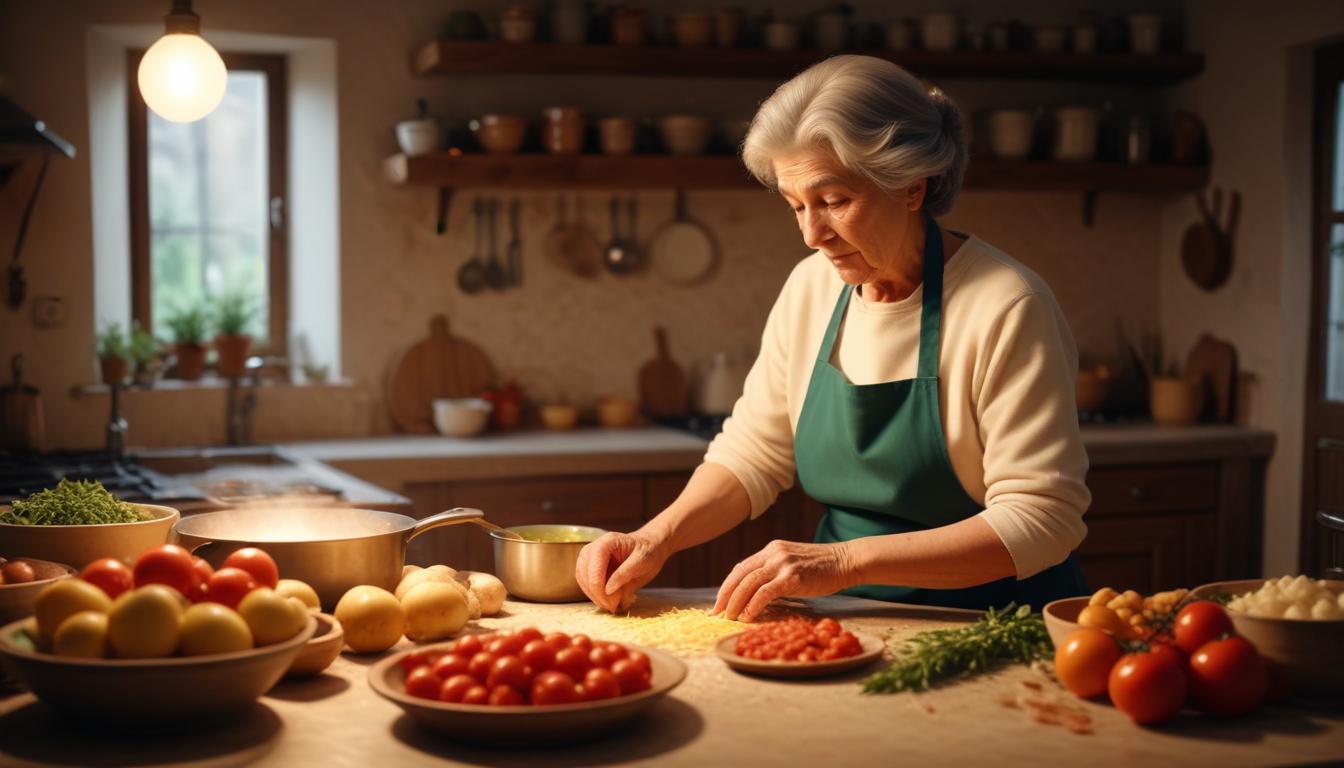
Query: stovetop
pixel 21 476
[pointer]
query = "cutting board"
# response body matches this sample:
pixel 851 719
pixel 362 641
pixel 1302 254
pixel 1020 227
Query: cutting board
pixel 21 425
pixel 1214 364
pixel 662 384
pixel 440 366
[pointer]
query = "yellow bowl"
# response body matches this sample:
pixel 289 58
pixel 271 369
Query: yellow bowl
pixel 559 416
pixel 79 545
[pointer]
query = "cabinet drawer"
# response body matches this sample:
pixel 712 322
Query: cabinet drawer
pixel 616 503
pixel 1169 488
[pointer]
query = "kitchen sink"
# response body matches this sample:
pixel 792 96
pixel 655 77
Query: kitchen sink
pixel 190 461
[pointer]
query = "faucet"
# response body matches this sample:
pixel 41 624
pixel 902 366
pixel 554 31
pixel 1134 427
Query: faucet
pixel 116 425
pixel 239 414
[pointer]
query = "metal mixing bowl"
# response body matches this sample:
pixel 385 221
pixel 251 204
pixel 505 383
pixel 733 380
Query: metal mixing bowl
pixel 541 571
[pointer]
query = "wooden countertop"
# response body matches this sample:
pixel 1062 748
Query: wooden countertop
pixel 716 717
pixel 393 461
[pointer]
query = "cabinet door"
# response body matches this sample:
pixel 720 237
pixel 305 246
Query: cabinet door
pixel 1145 554
pixel 1143 490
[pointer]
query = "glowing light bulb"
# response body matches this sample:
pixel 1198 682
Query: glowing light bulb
pixel 182 77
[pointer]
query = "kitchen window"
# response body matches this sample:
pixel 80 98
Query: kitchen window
pixel 207 203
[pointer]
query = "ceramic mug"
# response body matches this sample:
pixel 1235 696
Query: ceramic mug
pixel 1075 134
pixel 1174 400
pixel 562 130
pixel 617 135
pixel 939 31
pixel 1145 33
pixel 1010 133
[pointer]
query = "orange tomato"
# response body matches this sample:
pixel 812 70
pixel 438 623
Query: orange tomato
pixel 1083 661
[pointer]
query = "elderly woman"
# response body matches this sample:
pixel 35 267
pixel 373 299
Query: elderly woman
pixel 918 380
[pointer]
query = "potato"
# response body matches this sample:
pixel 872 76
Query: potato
pixel 373 619
pixel 420 577
pixel 407 570
pixel 434 610
pixel 299 591
pixel 488 589
pixel 443 569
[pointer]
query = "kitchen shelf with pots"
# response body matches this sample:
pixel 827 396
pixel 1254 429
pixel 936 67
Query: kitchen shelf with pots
pixel 449 170
pixel 453 57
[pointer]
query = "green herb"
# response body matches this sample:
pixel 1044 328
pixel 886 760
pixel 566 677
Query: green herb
pixel 190 325
pixel 1012 634
pixel 111 342
pixel 144 348
pixel 71 502
pixel 233 313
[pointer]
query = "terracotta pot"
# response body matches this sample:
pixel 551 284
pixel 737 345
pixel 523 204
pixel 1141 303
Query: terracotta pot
pixel 191 361
pixel 114 369
pixel 562 131
pixel 1174 400
pixel 232 355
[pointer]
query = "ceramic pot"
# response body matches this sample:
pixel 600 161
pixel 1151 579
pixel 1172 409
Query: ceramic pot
pixel 113 369
pixel 562 131
pixel 232 351
pixel 191 361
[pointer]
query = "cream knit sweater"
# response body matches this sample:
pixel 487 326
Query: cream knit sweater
pixel 1006 380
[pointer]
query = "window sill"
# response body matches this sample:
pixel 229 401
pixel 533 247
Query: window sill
pixel 206 384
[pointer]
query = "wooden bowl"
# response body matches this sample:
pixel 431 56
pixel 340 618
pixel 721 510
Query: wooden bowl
pixel 140 691
pixel 559 417
pixel 1061 617
pixel 16 600
pixel 80 545
pixel 321 649
pixel 872 651
pixel 1311 650
pixel 511 726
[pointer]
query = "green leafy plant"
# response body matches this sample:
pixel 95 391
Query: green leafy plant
pixel 233 313
pixel 190 325
pixel 111 342
pixel 143 348
pixel 71 502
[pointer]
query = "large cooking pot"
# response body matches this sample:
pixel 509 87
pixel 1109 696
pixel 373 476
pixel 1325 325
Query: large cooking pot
pixel 330 548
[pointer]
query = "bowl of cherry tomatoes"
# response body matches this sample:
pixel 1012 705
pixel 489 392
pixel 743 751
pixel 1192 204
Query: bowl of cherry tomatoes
pixel 798 647
pixel 526 686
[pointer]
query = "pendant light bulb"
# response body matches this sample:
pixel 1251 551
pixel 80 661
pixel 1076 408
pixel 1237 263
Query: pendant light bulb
pixel 181 76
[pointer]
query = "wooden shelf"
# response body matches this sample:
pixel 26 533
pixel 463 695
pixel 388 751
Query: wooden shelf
pixel 445 170
pixel 450 57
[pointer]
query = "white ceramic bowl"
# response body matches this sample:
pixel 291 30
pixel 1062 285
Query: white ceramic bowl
pixel 418 137
pixel 685 134
pixel 461 417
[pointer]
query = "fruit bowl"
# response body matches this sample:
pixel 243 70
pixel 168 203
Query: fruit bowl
pixel 1061 617
pixel 512 725
pixel 170 689
pixel 16 600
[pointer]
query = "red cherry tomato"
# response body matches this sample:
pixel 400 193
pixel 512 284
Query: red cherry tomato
pixel 527 635
pixel 204 568
pixel 1227 677
pixel 257 563
pixel 630 677
pixel 510 671
pixel 600 684
pixel 538 655
pixel 1148 686
pixel 422 682
pixel 553 688
pixel 558 641
pixel 641 661
pixel 229 586
pixel 110 575
pixel 422 658
pixel 450 664
pixel 477 695
pixel 480 665
pixel 167 564
pixel 1199 623
pixel 468 646
pixel 455 687
pixel 573 661
pixel 582 641
pixel 504 696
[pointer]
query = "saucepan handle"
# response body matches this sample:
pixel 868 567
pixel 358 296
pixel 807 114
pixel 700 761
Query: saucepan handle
pixel 205 549
pixel 449 517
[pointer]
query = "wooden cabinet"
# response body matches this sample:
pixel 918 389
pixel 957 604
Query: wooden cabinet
pixel 1150 527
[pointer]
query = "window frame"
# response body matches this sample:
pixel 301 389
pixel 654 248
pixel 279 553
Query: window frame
pixel 274 66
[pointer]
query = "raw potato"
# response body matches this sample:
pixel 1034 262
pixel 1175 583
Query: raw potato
pixel 488 589
pixel 421 576
pixel 407 570
pixel 443 569
pixel 434 611
pixel 372 617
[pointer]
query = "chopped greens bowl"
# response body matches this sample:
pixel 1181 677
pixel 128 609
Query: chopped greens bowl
pixel 80 544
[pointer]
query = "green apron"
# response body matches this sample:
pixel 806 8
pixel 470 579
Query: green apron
pixel 875 456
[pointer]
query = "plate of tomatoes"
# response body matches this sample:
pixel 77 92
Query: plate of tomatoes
pixel 798 647
pixel 519 686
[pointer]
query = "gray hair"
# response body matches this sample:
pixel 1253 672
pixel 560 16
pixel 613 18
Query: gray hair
pixel 876 118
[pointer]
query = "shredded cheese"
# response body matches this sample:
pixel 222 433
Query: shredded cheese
pixel 682 631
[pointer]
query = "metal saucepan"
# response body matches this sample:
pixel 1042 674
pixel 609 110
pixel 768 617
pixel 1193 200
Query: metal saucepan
pixel 541 571
pixel 330 548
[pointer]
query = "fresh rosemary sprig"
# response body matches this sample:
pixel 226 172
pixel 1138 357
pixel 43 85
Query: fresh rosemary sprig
pixel 71 502
pixel 1012 634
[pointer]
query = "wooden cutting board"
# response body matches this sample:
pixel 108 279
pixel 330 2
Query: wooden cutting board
pixel 662 384
pixel 21 425
pixel 440 366
pixel 1214 364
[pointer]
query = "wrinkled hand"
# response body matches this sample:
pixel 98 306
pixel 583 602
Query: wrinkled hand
pixel 784 569
pixel 614 566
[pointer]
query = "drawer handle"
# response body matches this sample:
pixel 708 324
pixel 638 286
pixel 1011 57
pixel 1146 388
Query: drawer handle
pixel 1140 494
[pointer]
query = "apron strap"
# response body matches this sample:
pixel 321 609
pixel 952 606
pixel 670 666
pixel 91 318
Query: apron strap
pixel 838 314
pixel 931 312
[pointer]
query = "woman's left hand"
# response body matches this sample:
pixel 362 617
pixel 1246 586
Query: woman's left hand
pixel 784 569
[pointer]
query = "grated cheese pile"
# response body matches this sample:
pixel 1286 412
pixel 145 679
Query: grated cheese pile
pixel 683 631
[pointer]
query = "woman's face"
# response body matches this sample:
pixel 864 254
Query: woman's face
pixel 863 230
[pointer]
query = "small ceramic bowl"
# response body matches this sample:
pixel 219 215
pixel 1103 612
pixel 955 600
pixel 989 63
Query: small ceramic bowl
pixel 461 417
pixel 617 412
pixel 1061 617
pixel 318 653
pixel 685 134
pixel 559 417
pixel 16 600
pixel 499 134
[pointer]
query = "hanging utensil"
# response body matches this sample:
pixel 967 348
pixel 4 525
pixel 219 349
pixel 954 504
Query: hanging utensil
pixel 617 255
pixel 471 278
pixel 683 251
pixel 571 246
pixel 495 276
pixel 1206 248
pixel 513 254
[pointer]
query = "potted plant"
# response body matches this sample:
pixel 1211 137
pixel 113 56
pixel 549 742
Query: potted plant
pixel 233 313
pixel 145 351
pixel 189 327
pixel 111 348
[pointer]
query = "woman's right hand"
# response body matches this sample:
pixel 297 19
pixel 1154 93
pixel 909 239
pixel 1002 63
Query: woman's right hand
pixel 614 566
